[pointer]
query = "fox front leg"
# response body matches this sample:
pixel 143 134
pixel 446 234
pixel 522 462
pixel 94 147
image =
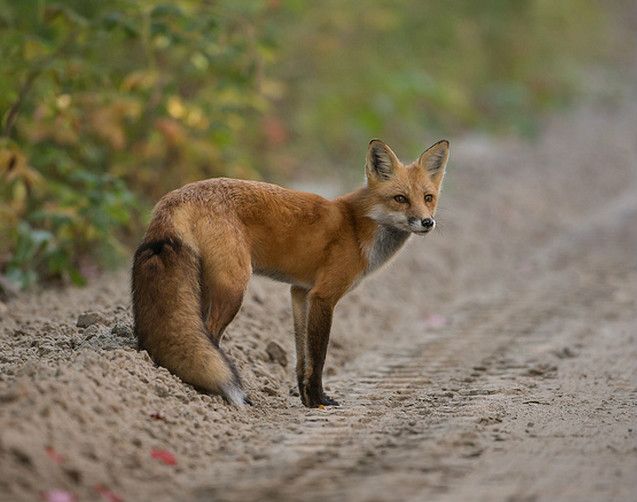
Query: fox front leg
pixel 319 323
pixel 299 314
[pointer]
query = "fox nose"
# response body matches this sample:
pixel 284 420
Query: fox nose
pixel 428 223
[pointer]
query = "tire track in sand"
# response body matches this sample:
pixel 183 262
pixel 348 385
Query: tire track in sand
pixel 417 418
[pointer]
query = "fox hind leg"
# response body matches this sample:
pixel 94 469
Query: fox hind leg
pixel 226 270
pixel 224 306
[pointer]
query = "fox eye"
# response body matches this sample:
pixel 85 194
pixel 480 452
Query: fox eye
pixel 429 197
pixel 401 199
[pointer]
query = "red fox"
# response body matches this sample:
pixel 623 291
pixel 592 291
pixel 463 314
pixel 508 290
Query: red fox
pixel 207 238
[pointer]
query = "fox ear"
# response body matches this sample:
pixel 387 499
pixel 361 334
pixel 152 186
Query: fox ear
pixel 381 161
pixel 434 159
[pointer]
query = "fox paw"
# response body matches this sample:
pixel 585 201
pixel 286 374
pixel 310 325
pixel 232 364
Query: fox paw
pixel 328 401
pixel 320 402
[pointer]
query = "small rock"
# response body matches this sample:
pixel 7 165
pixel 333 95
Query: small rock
pixel 543 369
pixel 269 390
pixel 565 353
pixel 21 455
pixel 74 475
pixel 161 390
pixel 9 396
pixel 121 329
pixel 87 319
pixel 277 354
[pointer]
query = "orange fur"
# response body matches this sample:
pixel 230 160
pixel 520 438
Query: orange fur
pixel 235 228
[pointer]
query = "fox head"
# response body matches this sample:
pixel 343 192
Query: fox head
pixel 402 196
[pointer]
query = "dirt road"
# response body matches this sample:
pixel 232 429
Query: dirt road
pixel 496 360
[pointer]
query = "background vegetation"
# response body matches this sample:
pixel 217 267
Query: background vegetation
pixel 106 105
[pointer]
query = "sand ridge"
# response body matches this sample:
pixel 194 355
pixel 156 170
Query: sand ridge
pixel 503 340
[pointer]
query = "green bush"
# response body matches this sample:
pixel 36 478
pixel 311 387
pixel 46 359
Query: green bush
pixel 406 70
pixel 106 105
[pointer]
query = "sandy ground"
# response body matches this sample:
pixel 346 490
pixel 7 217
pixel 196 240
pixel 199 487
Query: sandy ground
pixel 494 360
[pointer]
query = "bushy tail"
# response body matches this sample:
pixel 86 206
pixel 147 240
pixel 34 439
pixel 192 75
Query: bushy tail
pixel 167 296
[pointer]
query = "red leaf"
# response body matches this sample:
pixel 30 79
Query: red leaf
pixel 164 456
pixel 58 496
pixel 54 455
pixel 275 130
pixel 157 416
pixel 107 494
pixel 436 321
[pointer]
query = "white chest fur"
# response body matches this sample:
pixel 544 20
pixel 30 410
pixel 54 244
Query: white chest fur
pixel 386 243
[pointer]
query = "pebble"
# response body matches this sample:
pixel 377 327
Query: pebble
pixel 87 319
pixel 269 390
pixel 121 330
pixel 277 354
